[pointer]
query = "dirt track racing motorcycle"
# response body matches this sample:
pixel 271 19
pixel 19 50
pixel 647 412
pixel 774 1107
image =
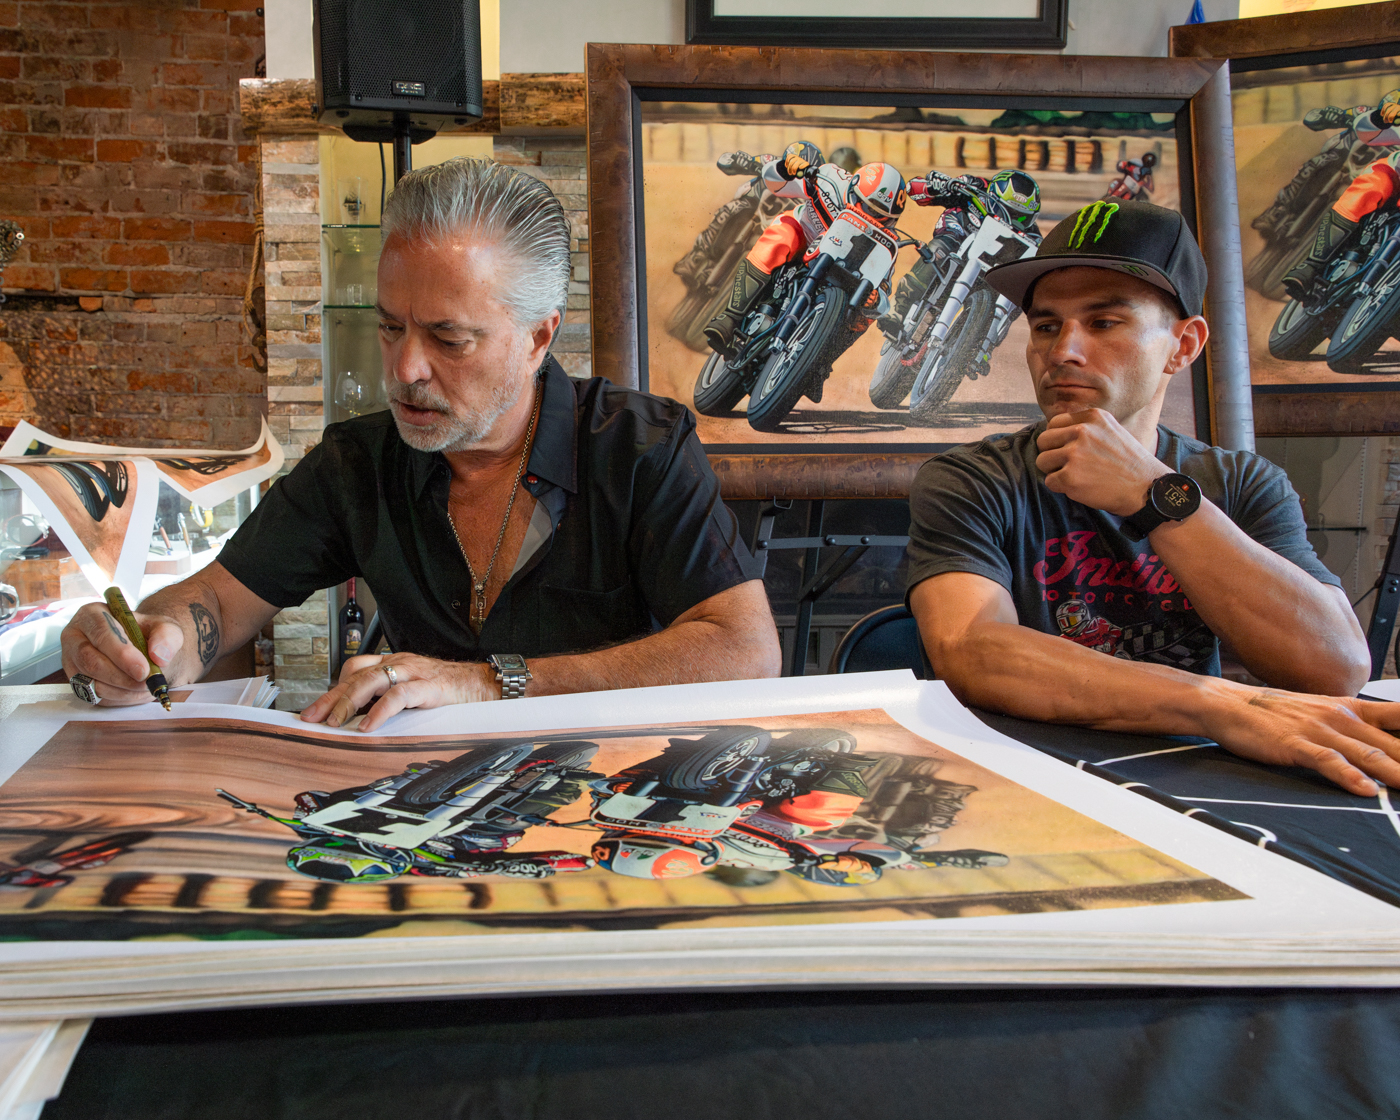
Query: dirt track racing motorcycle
pixel 950 331
pixel 696 789
pixel 785 347
pixel 453 818
pixel 710 284
pixel 1355 301
pixel 760 801
pixel 1288 227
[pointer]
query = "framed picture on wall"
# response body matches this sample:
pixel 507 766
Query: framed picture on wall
pixel 678 138
pixel 1316 116
pixel 906 24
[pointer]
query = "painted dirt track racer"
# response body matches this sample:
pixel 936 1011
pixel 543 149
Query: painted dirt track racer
pixel 743 797
pixel 1355 302
pixel 453 818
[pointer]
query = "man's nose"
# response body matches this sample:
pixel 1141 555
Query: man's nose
pixel 1069 344
pixel 409 359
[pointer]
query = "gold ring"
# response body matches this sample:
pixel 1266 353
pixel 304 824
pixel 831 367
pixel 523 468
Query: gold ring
pixel 389 672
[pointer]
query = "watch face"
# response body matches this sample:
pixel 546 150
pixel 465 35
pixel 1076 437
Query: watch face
pixel 509 662
pixel 1176 496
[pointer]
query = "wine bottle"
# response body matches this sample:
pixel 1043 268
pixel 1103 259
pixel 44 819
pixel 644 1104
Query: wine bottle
pixel 352 624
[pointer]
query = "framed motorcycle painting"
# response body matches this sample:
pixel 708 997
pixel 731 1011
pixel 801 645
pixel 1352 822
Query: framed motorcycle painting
pixel 842 312
pixel 1316 115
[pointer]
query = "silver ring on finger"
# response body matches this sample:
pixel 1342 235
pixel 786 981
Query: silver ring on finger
pixel 390 672
pixel 84 688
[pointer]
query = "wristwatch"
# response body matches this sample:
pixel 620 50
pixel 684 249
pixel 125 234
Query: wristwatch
pixel 512 672
pixel 1172 497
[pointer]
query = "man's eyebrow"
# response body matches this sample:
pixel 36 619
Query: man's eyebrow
pixel 440 325
pixel 450 325
pixel 1112 303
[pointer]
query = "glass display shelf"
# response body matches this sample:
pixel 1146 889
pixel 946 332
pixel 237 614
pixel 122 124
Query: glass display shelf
pixel 353 379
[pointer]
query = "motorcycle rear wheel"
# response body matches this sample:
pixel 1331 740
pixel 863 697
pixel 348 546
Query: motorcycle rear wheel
pixel 943 370
pixel 699 766
pixel 718 388
pixel 441 782
pixel 1366 325
pixel 787 373
pixel 1295 334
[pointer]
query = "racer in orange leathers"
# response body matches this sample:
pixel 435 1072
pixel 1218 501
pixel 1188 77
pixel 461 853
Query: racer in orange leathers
pixel 1377 186
pixel 878 191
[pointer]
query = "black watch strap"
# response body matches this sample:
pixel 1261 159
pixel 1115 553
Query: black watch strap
pixel 1172 497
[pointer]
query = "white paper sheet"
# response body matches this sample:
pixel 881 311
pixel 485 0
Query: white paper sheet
pixel 1296 927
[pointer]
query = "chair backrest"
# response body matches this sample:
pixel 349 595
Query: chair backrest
pixel 887 638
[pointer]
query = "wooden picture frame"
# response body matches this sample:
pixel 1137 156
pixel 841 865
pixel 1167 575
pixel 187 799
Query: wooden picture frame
pixel 1295 39
pixel 619 76
pixel 1044 31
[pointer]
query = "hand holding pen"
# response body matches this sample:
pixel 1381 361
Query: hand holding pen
pixel 111 660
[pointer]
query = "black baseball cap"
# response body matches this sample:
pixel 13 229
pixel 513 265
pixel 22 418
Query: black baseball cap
pixel 1149 242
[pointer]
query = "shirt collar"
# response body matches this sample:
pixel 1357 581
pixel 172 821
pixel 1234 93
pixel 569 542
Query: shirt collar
pixel 552 457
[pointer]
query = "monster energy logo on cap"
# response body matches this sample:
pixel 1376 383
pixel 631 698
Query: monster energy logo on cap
pixel 1141 239
pixel 1085 219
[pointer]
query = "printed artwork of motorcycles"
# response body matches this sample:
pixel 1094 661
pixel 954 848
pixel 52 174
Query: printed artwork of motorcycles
pixel 1331 248
pixel 736 801
pixel 942 328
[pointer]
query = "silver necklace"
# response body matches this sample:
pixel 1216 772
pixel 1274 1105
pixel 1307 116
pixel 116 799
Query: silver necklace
pixel 479 585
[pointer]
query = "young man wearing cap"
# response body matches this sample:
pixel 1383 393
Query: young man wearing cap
pixel 1083 569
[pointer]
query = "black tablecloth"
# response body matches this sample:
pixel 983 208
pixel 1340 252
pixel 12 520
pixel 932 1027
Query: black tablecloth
pixel 1138 1054
pixel 1293 811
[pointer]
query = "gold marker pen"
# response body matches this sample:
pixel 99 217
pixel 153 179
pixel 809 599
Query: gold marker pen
pixel 155 679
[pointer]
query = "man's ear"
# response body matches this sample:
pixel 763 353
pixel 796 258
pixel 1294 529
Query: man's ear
pixel 1191 335
pixel 541 337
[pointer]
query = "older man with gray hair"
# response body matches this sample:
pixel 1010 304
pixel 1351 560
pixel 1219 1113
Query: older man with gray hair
pixel 523 533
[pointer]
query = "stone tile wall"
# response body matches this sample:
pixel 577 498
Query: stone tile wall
pixel 291 193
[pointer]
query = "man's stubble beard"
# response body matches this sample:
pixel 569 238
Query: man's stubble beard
pixel 458 432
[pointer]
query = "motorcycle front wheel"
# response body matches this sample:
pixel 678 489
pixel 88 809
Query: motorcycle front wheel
pixel 1366 325
pixel 1295 333
pixel 718 388
pixel 943 369
pixel 441 782
pixel 893 376
pixel 789 370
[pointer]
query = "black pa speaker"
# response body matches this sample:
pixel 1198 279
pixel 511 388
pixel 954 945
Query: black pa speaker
pixel 386 66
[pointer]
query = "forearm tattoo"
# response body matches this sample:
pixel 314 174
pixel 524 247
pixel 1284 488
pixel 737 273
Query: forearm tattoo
pixel 208 630
pixel 115 629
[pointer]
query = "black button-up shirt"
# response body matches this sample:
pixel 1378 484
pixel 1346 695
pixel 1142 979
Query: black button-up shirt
pixel 638 535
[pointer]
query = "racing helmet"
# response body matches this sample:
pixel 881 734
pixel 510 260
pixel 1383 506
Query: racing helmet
pixel 1019 193
pixel 650 858
pixel 1072 614
pixel 1149 159
pixel 846 158
pixel 878 190
pixel 338 859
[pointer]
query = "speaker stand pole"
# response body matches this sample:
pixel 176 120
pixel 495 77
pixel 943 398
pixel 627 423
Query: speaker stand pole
pixel 403 151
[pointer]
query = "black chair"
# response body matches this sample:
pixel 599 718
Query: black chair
pixel 884 639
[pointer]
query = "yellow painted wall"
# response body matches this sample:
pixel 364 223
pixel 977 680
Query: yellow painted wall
pixel 1251 8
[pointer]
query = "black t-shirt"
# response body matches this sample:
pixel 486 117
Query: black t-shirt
pixel 984 508
pixel 636 532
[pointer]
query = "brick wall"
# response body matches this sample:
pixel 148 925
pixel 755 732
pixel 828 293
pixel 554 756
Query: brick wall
pixel 125 163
